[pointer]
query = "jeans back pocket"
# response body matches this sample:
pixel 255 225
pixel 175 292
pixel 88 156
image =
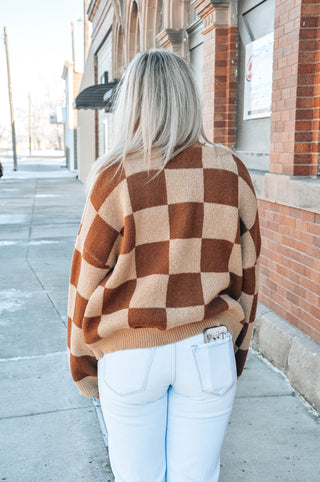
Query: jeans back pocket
pixel 126 372
pixel 216 365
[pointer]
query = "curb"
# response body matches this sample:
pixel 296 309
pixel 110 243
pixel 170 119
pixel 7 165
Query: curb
pixel 97 406
pixel 291 351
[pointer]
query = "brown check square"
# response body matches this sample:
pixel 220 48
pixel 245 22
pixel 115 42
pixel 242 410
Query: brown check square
pixel 186 220
pixel 215 254
pixel 108 179
pixel 152 258
pixel 146 193
pixel 184 289
pixel 118 298
pixel 152 317
pixel 79 309
pixel 128 235
pixel 75 268
pixel 99 242
pixel 221 187
pixel 191 157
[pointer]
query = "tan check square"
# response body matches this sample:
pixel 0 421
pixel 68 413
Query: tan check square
pixel 124 270
pixel 185 255
pixel 86 274
pixel 109 323
pixel 213 229
pixel 151 291
pixel 110 210
pixel 181 316
pixel 249 214
pixel 218 157
pixel 152 225
pixel 233 265
pixel 249 252
pixel 213 283
pixel 88 217
pixel 184 186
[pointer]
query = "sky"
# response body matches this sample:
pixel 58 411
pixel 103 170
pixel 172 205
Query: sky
pixel 39 39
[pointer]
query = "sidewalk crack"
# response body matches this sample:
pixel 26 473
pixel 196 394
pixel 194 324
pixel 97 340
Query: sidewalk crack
pixel 44 413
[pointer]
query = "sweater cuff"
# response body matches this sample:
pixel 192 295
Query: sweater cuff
pixel 88 386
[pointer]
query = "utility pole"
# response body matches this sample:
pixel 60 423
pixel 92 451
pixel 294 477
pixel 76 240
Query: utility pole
pixel 13 131
pixel 72 39
pixel 85 31
pixel 29 124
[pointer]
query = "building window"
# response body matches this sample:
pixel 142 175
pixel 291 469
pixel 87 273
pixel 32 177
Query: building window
pixel 256 21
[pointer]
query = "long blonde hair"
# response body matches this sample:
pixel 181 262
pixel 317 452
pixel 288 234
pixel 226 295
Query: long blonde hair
pixel 157 109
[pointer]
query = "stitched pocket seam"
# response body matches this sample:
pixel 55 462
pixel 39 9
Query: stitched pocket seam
pixel 209 347
pixel 143 384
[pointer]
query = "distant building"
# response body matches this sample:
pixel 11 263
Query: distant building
pixel 72 83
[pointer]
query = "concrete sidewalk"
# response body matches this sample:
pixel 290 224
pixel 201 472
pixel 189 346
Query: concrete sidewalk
pixel 49 432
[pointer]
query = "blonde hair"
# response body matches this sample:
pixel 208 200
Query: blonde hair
pixel 157 110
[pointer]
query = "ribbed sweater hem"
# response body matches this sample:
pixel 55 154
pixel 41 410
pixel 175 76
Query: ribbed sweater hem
pixel 131 338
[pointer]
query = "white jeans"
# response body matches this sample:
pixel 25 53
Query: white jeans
pixel 166 409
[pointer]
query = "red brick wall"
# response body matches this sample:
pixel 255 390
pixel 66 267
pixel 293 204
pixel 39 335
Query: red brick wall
pixel 307 146
pixel 295 147
pixel 208 82
pixel 219 84
pixel 290 265
pixel 316 99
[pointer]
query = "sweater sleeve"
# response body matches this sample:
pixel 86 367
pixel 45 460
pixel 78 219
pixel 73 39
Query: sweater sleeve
pixel 250 254
pixel 93 257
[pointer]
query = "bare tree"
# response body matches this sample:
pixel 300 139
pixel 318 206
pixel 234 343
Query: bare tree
pixel 44 101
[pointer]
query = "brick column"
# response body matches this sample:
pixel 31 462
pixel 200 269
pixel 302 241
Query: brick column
pixel 315 161
pixel 295 119
pixel 219 69
pixel 172 39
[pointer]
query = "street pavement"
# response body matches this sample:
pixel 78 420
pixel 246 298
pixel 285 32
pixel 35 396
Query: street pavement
pixel 48 430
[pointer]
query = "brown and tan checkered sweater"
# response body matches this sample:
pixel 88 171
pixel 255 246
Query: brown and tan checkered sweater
pixel 157 261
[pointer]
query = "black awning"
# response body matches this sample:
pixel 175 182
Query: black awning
pixel 93 97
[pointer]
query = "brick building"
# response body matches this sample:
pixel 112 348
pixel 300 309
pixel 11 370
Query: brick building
pixel 257 65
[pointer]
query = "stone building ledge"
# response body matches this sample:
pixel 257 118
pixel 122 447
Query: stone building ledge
pixel 295 354
pixel 295 191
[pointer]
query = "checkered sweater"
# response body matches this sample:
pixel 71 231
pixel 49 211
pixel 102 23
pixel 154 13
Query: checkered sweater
pixel 159 260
